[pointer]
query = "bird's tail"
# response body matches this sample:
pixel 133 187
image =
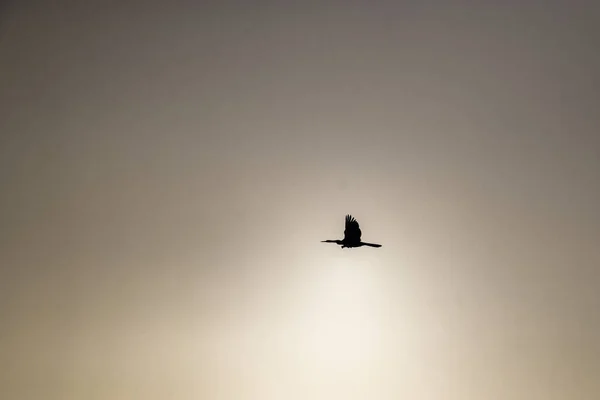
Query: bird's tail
pixel 370 244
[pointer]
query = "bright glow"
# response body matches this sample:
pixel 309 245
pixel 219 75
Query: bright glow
pixel 338 326
pixel 325 343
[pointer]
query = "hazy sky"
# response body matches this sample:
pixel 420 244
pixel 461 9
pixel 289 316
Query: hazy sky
pixel 168 171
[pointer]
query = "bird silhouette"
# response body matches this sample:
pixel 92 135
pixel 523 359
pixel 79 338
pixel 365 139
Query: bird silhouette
pixel 352 235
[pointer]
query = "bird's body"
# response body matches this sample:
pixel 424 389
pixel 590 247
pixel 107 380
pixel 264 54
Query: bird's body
pixel 352 235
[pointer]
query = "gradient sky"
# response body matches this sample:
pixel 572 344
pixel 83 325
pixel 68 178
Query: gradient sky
pixel 168 171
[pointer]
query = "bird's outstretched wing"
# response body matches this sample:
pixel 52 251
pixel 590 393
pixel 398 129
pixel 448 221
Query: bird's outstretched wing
pixel 352 231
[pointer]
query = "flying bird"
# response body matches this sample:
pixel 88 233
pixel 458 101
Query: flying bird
pixel 352 235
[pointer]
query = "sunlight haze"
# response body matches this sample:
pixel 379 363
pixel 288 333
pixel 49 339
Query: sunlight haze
pixel 169 170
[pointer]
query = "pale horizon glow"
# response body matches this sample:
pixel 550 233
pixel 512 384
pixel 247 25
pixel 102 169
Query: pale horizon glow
pixel 338 325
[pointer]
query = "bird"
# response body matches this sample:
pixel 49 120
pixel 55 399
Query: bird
pixel 352 235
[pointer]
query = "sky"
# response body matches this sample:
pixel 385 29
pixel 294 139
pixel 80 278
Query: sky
pixel 168 170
